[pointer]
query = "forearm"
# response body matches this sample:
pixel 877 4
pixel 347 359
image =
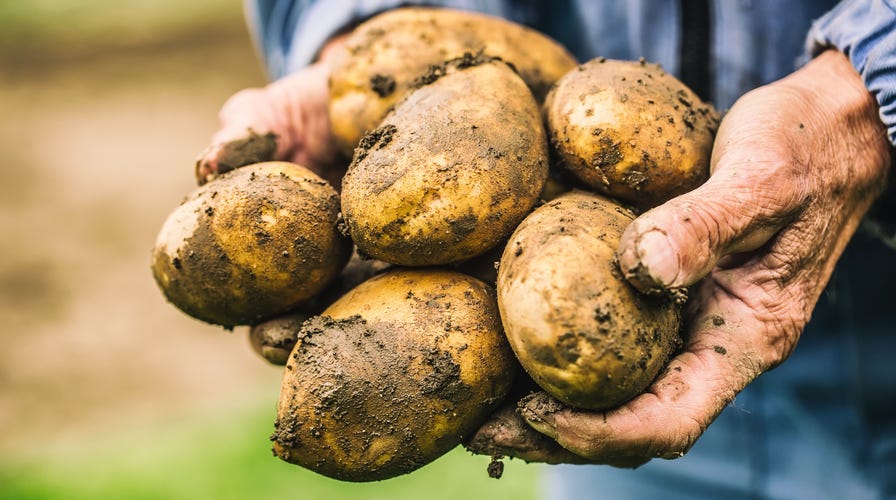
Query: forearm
pixel 863 30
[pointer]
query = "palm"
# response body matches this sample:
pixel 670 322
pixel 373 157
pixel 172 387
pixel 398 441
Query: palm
pixel 796 165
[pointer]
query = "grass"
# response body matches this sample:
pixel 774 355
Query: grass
pixel 225 454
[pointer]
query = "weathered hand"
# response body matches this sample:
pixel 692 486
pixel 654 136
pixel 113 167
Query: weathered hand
pixel 796 165
pixel 286 120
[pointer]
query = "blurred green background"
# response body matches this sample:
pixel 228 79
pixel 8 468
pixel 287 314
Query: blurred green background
pixel 106 391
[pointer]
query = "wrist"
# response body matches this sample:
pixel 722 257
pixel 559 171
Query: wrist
pixel 855 132
pixel 841 109
pixel 831 83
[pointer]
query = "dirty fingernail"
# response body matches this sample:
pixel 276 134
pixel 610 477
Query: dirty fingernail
pixel 658 258
pixel 538 410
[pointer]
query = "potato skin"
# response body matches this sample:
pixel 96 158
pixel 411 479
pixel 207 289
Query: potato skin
pixel 275 338
pixel 630 130
pixel 384 55
pixel 577 327
pixel 451 171
pixel 253 243
pixel 393 375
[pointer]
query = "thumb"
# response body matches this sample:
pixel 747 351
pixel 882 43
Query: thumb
pixel 676 244
pixel 282 107
pixel 285 120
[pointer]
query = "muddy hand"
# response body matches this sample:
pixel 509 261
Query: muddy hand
pixel 796 165
pixel 286 120
pixel 506 434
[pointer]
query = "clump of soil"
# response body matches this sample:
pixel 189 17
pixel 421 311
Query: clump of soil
pixel 467 60
pixel 355 396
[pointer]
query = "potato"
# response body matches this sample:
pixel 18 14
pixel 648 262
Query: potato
pixel 451 171
pixel 252 244
pixel 577 327
pixel 275 338
pixel 384 55
pixel 393 375
pixel 630 130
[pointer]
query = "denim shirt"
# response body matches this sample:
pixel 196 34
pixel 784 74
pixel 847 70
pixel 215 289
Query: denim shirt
pixel 755 41
pixel 823 424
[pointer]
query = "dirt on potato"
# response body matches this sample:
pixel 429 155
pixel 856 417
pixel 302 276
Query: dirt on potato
pixel 392 375
pixel 630 130
pixel 386 54
pixel 254 243
pixel 451 170
pixel 380 407
pixel 578 328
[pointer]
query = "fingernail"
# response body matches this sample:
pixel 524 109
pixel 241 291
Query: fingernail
pixel 658 258
pixel 543 427
pixel 538 410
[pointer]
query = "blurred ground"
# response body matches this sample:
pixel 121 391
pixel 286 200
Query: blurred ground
pixel 97 134
pixel 107 391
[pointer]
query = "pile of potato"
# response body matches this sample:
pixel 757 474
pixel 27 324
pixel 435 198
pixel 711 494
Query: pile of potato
pixel 464 130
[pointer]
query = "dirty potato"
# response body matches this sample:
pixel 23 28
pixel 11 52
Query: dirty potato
pixel 630 130
pixel 384 55
pixel 254 243
pixel 393 375
pixel 451 171
pixel 275 338
pixel 577 327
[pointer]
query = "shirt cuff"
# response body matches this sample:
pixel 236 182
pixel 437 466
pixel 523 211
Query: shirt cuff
pixel 864 30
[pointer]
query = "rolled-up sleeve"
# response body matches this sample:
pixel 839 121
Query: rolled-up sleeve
pixel 864 30
pixel 288 34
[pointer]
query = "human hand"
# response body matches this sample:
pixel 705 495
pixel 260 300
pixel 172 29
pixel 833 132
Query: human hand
pixel 796 164
pixel 286 120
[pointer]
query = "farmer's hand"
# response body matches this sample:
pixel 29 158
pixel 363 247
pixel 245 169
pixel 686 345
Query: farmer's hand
pixel 286 120
pixel 795 165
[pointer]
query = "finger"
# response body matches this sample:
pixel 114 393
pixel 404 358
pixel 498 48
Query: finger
pixel 676 244
pixel 666 420
pixel 270 109
pixel 506 434
pixel 220 158
pixel 576 431
pixel 290 115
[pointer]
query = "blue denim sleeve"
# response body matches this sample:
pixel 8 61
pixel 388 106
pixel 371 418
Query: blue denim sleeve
pixel 864 30
pixel 289 33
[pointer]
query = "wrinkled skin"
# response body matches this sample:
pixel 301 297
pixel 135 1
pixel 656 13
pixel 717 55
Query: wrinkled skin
pixel 796 164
